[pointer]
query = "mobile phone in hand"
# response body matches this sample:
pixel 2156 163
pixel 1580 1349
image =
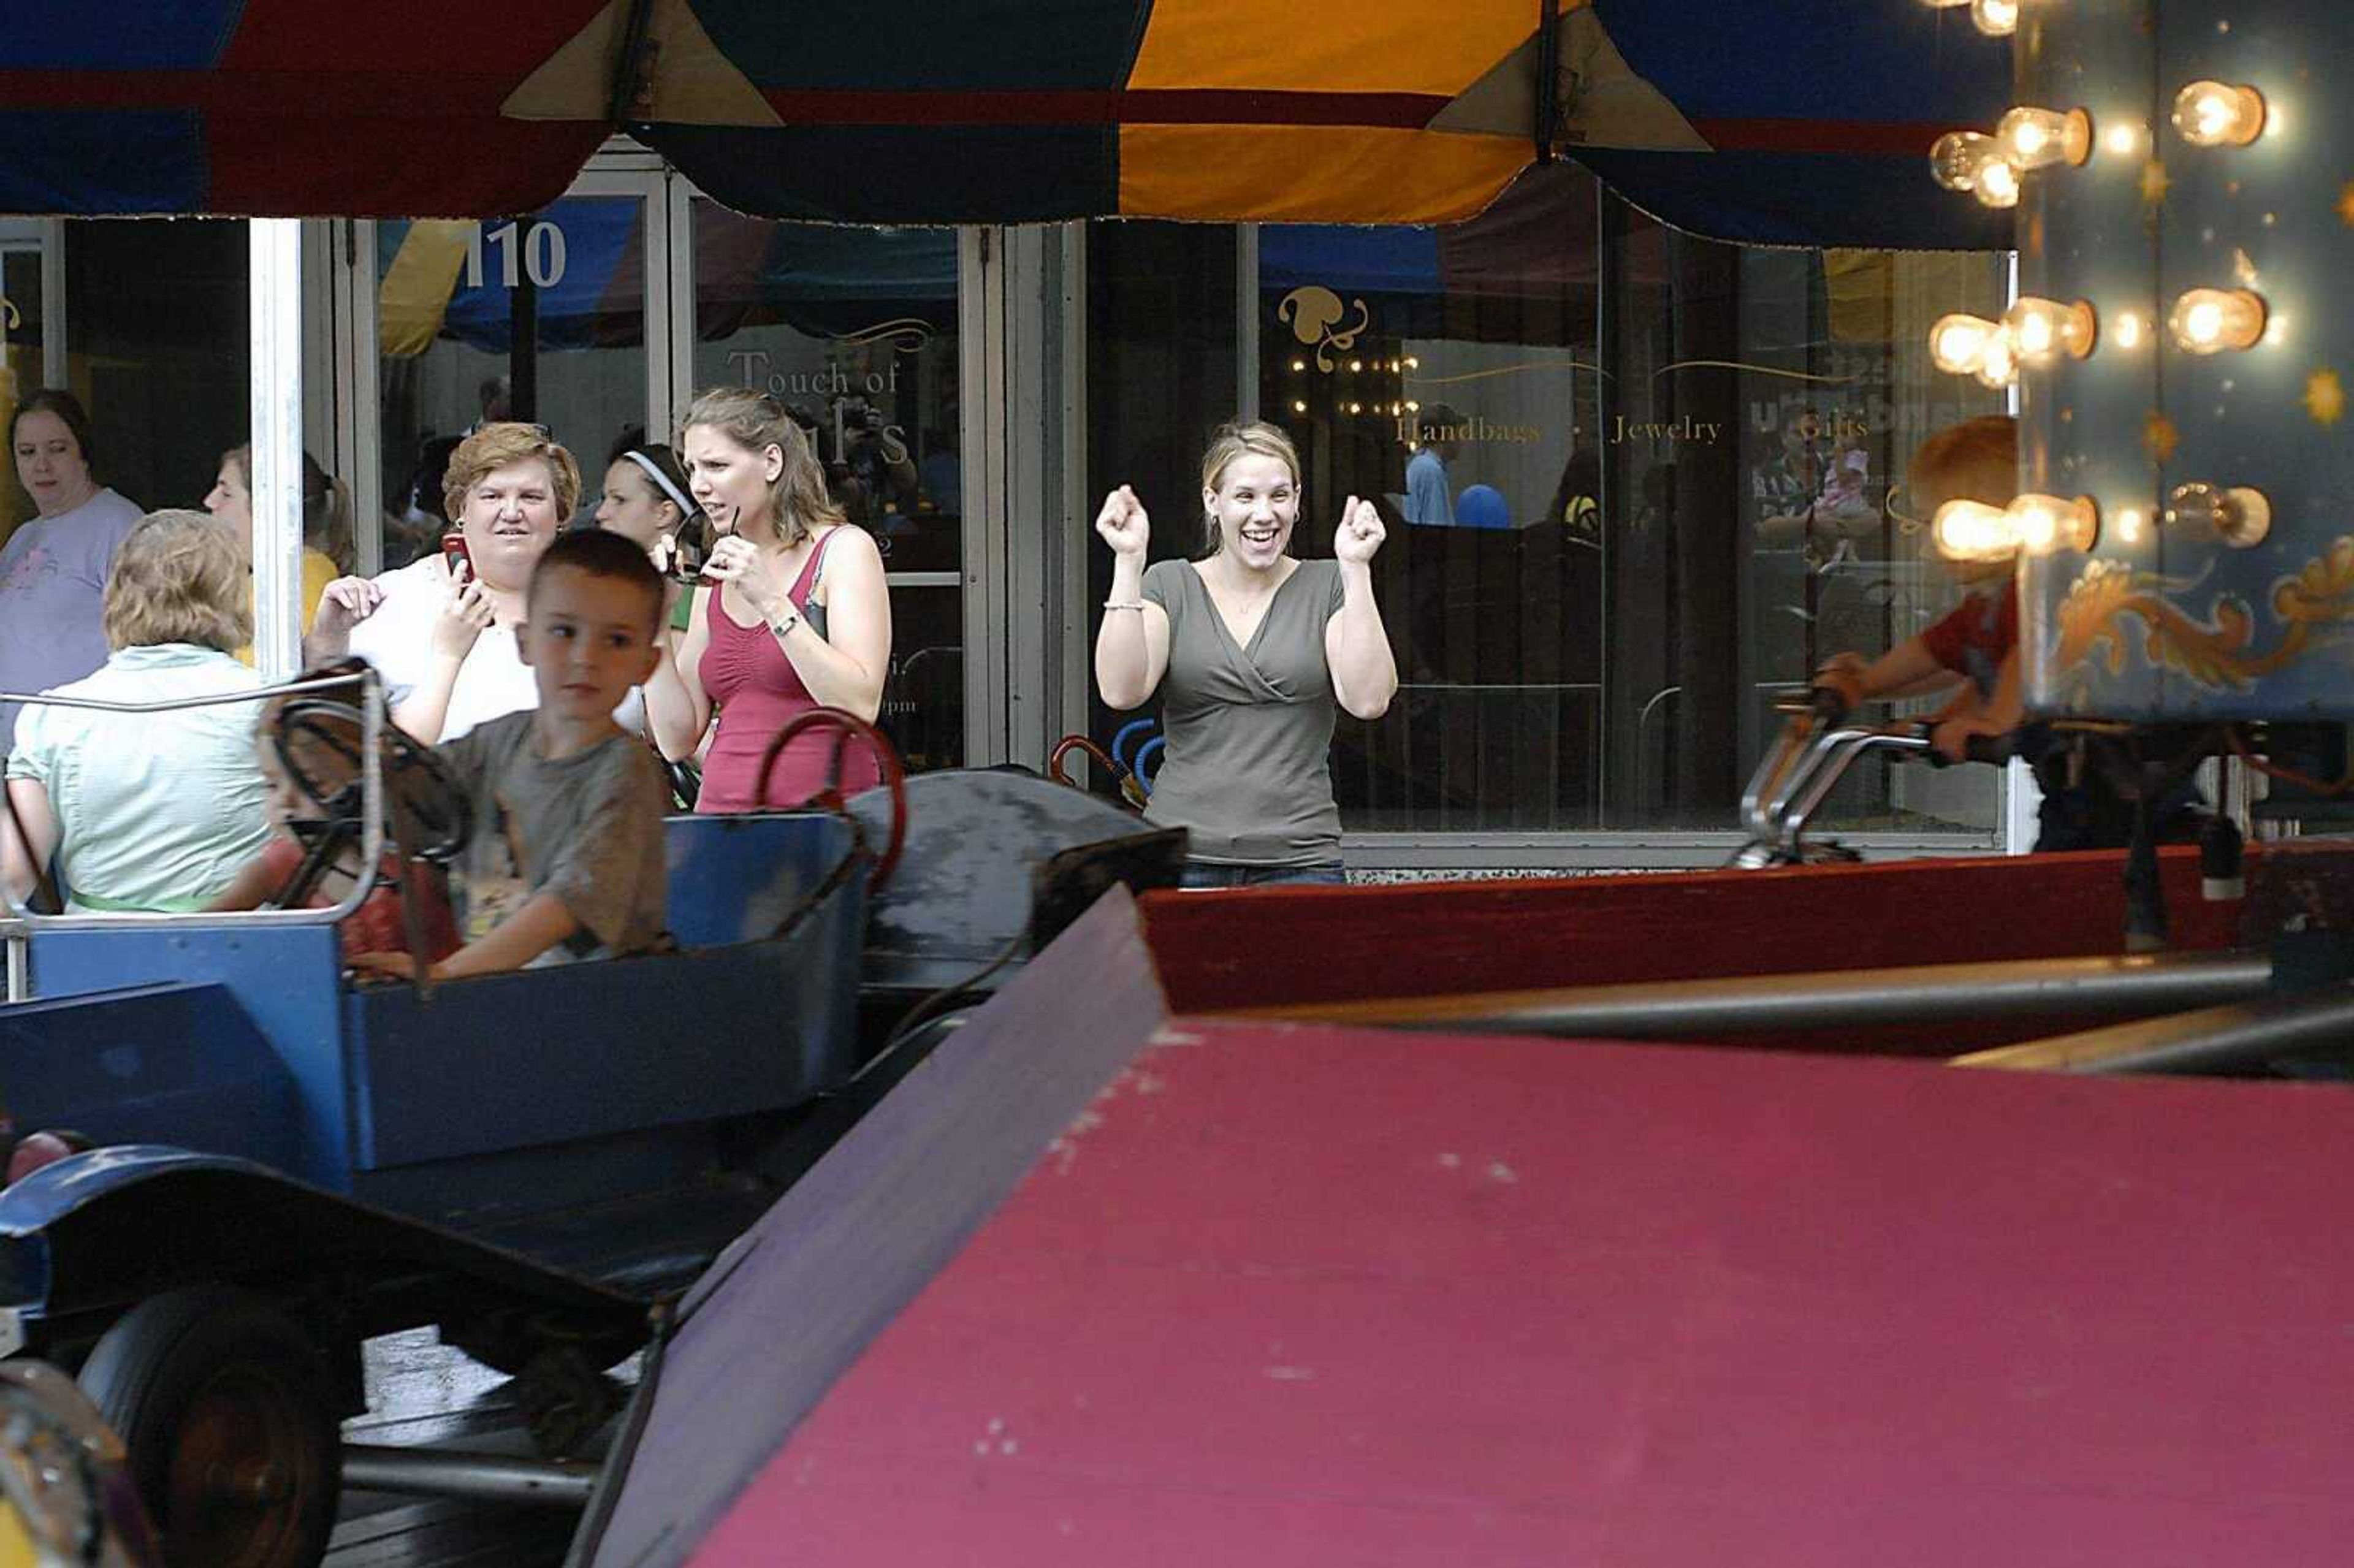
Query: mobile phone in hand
pixel 454 553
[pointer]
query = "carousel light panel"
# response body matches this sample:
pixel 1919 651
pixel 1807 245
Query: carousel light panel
pixel 2180 345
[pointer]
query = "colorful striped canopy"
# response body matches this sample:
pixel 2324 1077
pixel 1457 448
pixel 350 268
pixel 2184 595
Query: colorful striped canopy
pixel 1800 121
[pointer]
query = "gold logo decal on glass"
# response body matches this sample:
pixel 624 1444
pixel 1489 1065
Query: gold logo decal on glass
pixel 1314 315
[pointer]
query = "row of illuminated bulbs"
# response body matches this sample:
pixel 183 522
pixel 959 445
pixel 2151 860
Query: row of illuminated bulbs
pixel 2037 332
pixel 1299 405
pixel 2038 525
pixel 2206 114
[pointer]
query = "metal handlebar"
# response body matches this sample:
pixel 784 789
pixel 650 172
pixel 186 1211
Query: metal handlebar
pixel 1817 747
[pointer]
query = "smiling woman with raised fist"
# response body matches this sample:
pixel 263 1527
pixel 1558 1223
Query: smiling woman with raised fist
pixel 1251 648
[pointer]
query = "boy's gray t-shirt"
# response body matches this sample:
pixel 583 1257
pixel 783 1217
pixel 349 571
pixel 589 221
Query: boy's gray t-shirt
pixel 588 828
pixel 1248 771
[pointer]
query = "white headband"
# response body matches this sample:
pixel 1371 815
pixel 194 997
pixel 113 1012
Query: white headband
pixel 686 508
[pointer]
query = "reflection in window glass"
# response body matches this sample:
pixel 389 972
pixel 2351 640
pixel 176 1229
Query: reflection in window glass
pixel 21 336
pixel 1636 486
pixel 540 319
pixel 854 330
pixel 157 351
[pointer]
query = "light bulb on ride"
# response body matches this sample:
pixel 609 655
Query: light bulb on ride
pixel 2126 331
pixel 2218 114
pixel 2041 330
pixel 2237 515
pixel 1973 531
pixel 2209 321
pixel 2032 138
pixel 2042 523
pixel 1998 366
pixel 1957 344
pixel 1995 18
pixel 1968 161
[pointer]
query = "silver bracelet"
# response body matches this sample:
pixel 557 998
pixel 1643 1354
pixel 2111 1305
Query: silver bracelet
pixel 1123 604
pixel 782 625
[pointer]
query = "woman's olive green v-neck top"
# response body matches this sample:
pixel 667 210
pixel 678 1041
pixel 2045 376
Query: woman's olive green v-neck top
pixel 1248 771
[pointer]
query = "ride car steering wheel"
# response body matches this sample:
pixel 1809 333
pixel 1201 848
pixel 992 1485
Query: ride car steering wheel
pixel 318 743
pixel 847 726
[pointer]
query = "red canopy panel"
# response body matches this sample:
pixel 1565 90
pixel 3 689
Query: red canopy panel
pixel 1290 1294
pixel 1095 1284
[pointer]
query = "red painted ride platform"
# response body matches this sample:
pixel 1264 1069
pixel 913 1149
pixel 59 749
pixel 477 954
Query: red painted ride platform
pixel 1274 1294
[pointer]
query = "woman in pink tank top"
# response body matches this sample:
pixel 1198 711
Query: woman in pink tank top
pixel 796 617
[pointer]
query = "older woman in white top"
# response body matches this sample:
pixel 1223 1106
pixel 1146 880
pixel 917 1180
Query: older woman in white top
pixel 442 631
pixel 148 811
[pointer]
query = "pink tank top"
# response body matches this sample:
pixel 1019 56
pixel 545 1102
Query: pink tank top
pixel 758 693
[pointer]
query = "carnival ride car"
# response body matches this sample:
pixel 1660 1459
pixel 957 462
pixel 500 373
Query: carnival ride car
pixel 278 1164
pixel 1115 1277
pixel 1356 1224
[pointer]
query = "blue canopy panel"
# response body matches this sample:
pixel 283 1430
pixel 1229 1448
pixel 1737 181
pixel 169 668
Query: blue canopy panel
pixel 895 110
pixel 1885 202
pixel 1820 117
pixel 279 108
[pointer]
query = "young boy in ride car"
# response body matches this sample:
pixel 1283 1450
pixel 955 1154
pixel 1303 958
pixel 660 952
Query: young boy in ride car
pixel 326 747
pixel 565 858
pixel 1976 647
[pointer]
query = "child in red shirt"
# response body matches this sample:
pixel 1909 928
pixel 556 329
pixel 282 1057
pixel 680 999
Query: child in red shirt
pixel 377 925
pixel 1975 649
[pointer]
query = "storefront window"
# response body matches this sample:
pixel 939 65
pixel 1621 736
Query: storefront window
pixel 22 337
pixel 1636 486
pixel 540 319
pixel 154 333
pixel 855 330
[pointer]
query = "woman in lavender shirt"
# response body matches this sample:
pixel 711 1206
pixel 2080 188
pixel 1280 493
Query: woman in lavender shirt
pixel 53 569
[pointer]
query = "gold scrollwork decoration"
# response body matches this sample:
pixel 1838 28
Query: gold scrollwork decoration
pixel 2214 652
pixel 11 318
pixel 1314 315
pixel 905 334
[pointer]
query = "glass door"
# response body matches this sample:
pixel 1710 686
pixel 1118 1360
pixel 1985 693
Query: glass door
pixel 855 331
pixel 542 318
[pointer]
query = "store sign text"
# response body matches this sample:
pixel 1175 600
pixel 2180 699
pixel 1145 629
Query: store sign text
pixel 536 254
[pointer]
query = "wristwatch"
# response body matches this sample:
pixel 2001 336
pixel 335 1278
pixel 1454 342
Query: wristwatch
pixel 782 624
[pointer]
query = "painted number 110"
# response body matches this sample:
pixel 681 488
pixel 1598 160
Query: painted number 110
pixel 537 252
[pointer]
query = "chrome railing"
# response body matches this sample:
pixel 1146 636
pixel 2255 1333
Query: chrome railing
pixel 17 924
